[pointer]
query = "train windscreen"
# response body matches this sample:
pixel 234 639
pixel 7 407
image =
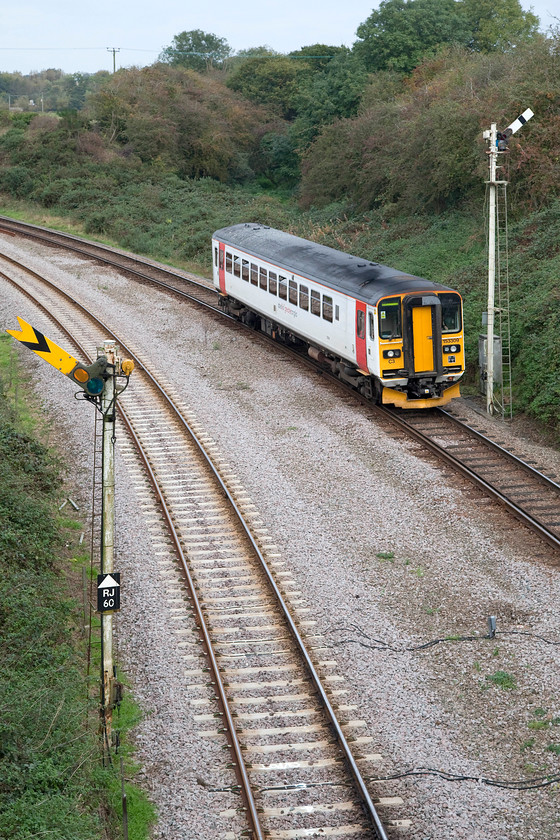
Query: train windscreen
pixel 450 312
pixel 390 318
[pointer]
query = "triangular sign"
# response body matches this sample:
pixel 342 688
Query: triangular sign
pixel 108 582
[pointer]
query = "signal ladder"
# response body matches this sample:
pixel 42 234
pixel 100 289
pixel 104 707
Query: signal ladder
pixel 503 401
pixel 95 545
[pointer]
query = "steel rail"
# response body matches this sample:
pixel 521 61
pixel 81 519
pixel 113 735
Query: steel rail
pixel 240 768
pixel 469 473
pixel 473 476
pixel 367 802
pixel 71 242
pixel 491 444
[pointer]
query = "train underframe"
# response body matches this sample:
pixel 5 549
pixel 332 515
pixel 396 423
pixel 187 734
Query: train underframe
pixel 421 391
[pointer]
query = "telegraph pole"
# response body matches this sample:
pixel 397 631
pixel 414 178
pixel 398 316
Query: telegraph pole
pixel 114 50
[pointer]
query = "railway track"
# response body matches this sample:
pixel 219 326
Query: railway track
pixel 530 495
pixel 185 283
pixel 297 749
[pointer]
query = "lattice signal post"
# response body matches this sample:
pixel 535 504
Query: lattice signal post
pixel 98 384
pixel 497 145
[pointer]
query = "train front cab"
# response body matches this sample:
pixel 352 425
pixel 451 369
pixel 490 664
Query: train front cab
pixel 421 348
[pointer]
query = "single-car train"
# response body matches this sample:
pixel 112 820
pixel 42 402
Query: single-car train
pixel 396 338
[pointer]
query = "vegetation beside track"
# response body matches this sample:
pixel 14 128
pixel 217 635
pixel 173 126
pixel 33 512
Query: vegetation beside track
pixel 387 165
pixel 52 782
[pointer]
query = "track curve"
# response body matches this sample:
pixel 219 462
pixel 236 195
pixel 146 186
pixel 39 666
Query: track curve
pixel 168 460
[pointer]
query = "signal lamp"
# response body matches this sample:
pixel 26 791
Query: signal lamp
pixel 127 366
pixel 92 377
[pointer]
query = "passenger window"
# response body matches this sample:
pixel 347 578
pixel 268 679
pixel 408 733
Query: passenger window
pixel 371 326
pixel 337 312
pixel 293 292
pixel 360 323
pixel 221 260
pixel 272 282
pixel 254 274
pixel 263 274
pixel 304 297
pixel 327 308
pixel 282 287
pixel 228 262
pixel 315 302
pixel 245 270
pixel 390 318
pixel 236 266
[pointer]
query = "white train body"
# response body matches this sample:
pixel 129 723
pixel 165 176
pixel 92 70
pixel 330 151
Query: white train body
pixel 396 337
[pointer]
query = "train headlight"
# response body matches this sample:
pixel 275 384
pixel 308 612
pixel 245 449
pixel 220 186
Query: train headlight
pixel 391 354
pixel 451 348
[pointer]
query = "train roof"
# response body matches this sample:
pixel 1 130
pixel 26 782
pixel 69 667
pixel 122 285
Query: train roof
pixel 363 279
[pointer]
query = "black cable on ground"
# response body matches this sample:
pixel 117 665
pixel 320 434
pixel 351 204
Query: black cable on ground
pixel 379 644
pixel 522 784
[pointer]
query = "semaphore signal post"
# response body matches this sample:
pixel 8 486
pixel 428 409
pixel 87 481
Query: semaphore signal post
pixel 497 145
pixel 98 384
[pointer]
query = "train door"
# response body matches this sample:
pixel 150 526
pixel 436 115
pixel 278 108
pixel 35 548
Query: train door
pixel 423 325
pixel 361 351
pixel 221 271
pixel 423 339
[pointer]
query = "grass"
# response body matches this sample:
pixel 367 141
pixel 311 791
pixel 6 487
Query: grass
pixel 52 782
pixel 502 679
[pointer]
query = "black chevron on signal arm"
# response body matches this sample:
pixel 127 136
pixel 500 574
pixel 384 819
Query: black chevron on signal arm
pixel 40 345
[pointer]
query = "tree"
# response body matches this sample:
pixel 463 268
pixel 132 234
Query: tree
pixel 235 61
pixel 177 119
pixel 196 49
pixel 328 95
pixel 402 32
pixel 497 24
pixel 272 81
pixel 318 55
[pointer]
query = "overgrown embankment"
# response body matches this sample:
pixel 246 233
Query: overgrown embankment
pixel 52 783
pixel 391 167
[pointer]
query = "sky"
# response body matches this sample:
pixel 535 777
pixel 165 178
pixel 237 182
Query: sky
pixel 79 37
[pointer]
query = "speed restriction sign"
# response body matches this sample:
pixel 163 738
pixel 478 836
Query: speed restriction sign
pixel 109 592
